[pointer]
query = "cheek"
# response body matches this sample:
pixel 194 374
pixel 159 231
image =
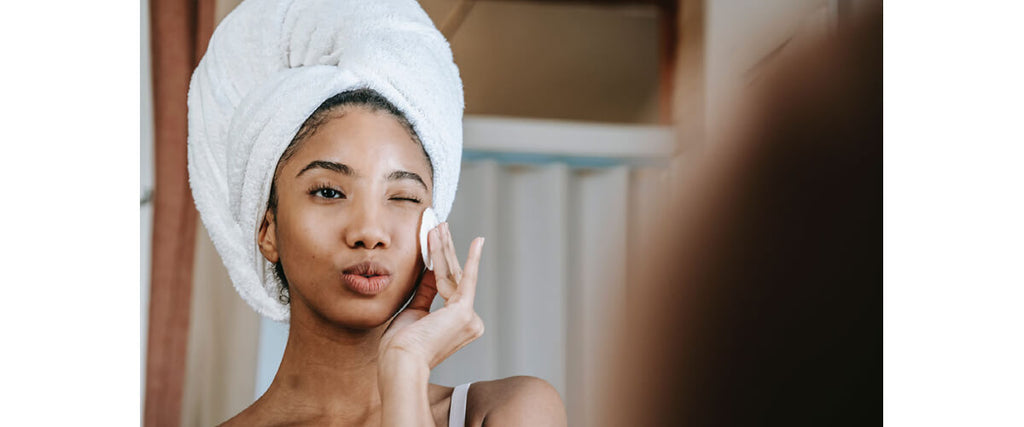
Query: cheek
pixel 305 236
pixel 405 242
pixel 406 237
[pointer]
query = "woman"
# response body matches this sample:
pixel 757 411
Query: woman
pixel 316 214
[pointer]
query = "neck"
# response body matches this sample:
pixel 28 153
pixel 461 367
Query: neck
pixel 328 371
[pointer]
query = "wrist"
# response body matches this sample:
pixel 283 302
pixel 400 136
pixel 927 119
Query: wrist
pixel 397 365
pixel 402 356
pixel 403 383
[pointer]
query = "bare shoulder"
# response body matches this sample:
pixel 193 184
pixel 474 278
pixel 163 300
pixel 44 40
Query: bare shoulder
pixel 515 401
pixel 247 417
pixel 262 414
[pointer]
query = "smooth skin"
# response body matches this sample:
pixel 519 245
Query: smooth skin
pixel 347 361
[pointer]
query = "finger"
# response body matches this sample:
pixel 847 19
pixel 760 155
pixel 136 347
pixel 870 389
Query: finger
pixel 425 293
pixel 447 248
pixel 451 256
pixel 444 284
pixel 467 287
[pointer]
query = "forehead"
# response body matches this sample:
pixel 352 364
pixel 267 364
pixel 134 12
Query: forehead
pixel 365 140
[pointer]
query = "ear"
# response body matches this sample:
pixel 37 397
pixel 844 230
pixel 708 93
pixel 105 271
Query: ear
pixel 267 239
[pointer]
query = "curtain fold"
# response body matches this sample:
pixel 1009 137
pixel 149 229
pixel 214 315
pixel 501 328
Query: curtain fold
pixel 555 272
pixel 180 31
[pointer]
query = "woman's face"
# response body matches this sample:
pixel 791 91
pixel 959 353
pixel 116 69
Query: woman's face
pixel 348 215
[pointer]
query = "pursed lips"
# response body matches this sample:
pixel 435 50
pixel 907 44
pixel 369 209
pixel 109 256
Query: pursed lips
pixel 366 278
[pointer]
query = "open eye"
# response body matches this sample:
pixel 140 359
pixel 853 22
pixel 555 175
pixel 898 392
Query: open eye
pixel 327 192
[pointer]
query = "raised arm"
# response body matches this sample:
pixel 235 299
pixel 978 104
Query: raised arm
pixel 418 340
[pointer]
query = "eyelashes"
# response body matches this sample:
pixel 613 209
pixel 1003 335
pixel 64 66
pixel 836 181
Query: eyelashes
pixel 326 191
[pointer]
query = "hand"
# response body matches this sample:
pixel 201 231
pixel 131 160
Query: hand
pixel 419 336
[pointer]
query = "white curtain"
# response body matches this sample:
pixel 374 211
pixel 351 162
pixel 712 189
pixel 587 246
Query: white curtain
pixel 553 273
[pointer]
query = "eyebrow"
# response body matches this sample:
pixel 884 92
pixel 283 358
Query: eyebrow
pixel 400 175
pixel 323 164
pixel 344 169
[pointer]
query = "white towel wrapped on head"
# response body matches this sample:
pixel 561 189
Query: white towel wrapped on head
pixel 269 65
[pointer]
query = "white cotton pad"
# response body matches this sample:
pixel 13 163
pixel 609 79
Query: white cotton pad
pixel 427 223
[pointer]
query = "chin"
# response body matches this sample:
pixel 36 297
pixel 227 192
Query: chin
pixel 363 320
pixel 362 314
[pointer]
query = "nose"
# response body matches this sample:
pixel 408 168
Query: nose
pixel 366 229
